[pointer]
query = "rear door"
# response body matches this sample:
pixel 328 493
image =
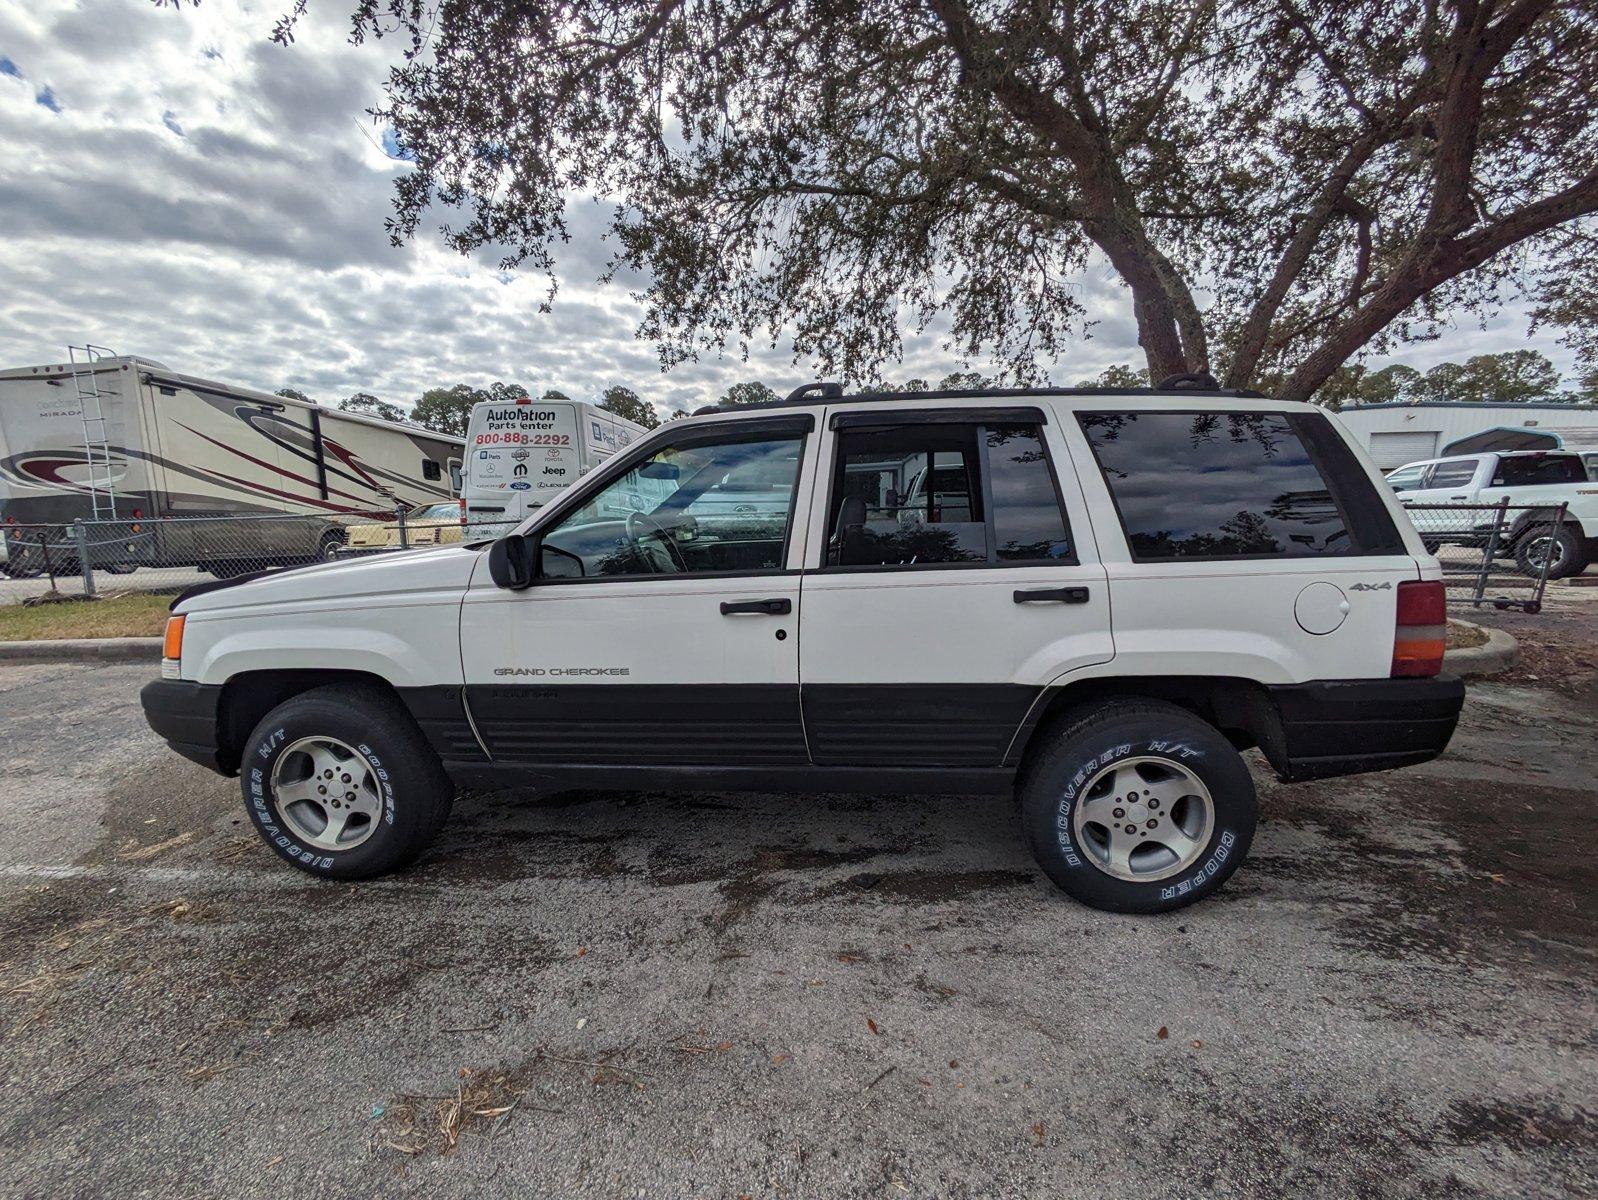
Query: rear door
pixel 951 576
pixel 1450 486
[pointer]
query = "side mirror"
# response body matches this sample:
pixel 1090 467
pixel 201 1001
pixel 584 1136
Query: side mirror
pixel 660 470
pixel 513 561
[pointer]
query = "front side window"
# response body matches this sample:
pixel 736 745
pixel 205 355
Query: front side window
pixel 706 504
pixel 917 495
pixel 1215 485
pixel 1406 479
pixel 1535 469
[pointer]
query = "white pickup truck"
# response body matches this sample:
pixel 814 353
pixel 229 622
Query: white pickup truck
pixel 1539 479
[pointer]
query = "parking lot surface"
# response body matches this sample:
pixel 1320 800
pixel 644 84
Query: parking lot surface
pixel 608 994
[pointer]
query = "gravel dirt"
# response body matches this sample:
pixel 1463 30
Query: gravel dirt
pixel 626 994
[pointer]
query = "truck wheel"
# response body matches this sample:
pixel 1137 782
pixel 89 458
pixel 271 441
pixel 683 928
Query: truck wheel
pixel 341 783
pixel 1137 806
pixel 1569 553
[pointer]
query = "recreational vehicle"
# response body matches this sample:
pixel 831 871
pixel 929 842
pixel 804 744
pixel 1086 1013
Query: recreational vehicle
pixel 122 439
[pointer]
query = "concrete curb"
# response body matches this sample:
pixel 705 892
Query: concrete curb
pixel 1498 654
pixel 82 650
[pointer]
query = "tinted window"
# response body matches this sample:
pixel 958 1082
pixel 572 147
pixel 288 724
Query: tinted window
pixel 1028 525
pixel 1453 473
pixel 928 494
pixel 1214 485
pixel 699 506
pixel 1540 468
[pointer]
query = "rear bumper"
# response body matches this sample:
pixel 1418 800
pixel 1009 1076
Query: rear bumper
pixel 186 715
pixel 1343 727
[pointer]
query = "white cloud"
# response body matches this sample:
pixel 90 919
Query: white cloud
pixel 178 186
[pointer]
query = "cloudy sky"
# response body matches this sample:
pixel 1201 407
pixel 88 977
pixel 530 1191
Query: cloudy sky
pixel 179 187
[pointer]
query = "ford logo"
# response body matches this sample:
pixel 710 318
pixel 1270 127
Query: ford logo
pixel 521 485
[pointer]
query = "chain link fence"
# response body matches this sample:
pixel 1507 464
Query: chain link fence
pixel 1492 554
pixel 168 554
pixel 1502 554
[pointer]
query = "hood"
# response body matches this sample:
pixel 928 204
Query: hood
pixel 448 567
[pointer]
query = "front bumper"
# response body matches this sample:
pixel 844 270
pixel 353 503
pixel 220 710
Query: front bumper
pixel 187 715
pixel 1343 727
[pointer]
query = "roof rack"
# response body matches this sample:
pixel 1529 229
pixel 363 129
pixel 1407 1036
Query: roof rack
pixel 1196 384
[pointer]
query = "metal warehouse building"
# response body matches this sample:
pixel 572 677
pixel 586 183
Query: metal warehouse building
pixel 1395 434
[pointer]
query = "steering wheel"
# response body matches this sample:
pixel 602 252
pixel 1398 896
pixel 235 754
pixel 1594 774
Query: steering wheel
pixel 634 519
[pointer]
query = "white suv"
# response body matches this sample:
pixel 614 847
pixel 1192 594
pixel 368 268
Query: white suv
pixel 1103 600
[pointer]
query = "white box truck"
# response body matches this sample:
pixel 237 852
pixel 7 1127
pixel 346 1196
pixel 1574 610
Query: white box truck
pixel 518 456
pixel 125 439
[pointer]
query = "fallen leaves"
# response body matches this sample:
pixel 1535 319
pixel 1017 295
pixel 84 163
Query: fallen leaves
pixel 481 1102
pixel 1163 1033
pixel 872 1025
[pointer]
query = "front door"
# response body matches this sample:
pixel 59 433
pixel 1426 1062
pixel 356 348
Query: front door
pixel 957 580
pixel 663 630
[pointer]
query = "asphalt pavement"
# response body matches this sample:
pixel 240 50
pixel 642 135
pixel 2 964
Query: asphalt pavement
pixel 627 994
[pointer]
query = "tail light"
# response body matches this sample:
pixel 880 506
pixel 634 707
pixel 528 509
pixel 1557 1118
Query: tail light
pixel 463 514
pixel 1421 632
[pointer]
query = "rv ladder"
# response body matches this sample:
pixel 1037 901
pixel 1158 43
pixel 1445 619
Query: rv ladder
pixel 96 445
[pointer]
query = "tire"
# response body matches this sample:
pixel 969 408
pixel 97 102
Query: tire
pixel 1570 553
pixel 1432 546
pixel 121 568
pixel 393 818
pixel 327 549
pixel 1168 750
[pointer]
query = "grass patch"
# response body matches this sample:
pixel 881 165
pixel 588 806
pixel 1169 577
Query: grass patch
pixel 135 614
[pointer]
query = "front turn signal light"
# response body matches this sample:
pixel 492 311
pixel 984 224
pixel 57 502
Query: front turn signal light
pixel 172 645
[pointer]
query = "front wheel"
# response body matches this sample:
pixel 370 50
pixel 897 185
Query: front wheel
pixel 1563 548
pixel 340 782
pixel 1137 806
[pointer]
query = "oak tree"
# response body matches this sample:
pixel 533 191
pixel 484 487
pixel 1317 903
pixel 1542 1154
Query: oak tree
pixel 1279 185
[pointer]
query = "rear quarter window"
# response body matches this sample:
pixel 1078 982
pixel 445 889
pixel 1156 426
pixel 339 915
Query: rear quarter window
pixel 1220 485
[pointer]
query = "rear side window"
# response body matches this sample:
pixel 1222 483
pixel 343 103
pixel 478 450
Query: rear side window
pixel 1208 485
pixel 1453 473
pixel 1528 472
pixel 937 493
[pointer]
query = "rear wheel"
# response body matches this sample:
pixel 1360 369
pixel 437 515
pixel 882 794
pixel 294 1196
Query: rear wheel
pixel 340 782
pixel 1137 806
pixel 327 550
pixel 1563 548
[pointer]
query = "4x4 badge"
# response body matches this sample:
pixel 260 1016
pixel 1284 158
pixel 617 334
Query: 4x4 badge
pixel 1371 587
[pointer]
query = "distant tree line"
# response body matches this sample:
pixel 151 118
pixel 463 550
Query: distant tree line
pixel 1507 378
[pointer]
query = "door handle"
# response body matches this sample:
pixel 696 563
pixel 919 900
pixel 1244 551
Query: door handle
pixel 1059 595
pixel 764 608
pixel 1459 497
